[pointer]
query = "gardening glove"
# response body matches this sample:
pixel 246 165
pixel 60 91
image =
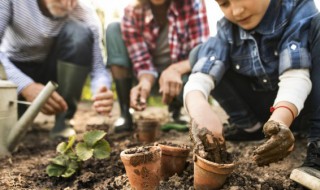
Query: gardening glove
pixel 206 145
pixel 279 145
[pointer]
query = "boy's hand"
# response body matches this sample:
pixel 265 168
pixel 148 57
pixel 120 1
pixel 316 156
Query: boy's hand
pixel 206 145
pixel 55 104
pixel 103 101
pixel 279 145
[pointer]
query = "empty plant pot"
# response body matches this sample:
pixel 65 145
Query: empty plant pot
pixel 147 130
pixel 142 165
pixel 173 158
pixel 209 175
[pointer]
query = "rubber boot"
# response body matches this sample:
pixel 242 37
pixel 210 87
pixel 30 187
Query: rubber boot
pixel 124 123
pixel 174 109
pixel 71 79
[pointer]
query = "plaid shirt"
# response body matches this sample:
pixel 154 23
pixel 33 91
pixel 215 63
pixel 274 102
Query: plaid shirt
pixel 188 26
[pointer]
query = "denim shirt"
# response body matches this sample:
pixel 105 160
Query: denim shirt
pixel 278 43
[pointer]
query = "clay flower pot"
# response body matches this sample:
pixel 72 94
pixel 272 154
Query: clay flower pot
pixel 173 159
pixel 142 167
pixel 147 130
pixel 210 175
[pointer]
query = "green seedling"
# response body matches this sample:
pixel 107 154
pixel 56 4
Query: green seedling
pixel 70 156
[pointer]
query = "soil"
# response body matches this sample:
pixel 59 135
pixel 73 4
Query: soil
pixel 26 168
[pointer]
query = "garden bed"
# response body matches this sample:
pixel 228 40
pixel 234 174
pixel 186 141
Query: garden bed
pixel 26 169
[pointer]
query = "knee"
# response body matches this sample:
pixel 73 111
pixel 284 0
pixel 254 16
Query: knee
pixel 76 35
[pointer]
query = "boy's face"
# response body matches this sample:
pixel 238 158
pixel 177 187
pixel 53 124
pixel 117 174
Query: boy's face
pixel 245 13
pixel 60 8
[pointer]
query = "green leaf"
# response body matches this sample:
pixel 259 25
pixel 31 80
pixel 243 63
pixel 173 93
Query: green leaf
pixel 62 147
pixel 55 170
pixel 92 137
pixel 61 160
pixel 71 141
pixel 102 149
pixel 83 151
pixel 68 173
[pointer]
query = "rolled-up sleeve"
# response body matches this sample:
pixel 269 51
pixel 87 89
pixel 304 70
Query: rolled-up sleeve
pixel 294 53
pixel 213 57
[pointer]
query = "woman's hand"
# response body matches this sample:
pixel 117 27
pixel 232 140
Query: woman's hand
pixel 170 83
pixel 140 93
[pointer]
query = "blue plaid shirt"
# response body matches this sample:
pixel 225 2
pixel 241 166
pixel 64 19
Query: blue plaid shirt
pixel 278 43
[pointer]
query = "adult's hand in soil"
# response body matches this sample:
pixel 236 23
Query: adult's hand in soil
pixel 139 95
pixel 55 103
pixel 170 84
pixel 279 145
pixel 103 100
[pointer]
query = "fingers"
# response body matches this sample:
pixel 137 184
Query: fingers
pixel 138 98
pixel 268 146
pixel 285 147
pixel 55 104
pixel 103 101
pixel 170 90
pixel 261 161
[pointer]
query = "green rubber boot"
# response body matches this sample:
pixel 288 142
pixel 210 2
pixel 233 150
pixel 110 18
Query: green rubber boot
pixel 71 79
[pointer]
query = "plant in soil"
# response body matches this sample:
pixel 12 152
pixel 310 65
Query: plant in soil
pixel 71 156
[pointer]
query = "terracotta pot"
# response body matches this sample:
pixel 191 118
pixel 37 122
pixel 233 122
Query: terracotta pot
pixel 142 167
pixel 209 175
pixel 173 159
pixel 147 130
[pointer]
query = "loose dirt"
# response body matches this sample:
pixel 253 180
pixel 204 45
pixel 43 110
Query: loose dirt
pixel 26 168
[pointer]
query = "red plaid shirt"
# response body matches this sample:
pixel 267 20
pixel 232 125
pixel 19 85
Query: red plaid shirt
pixel 188 26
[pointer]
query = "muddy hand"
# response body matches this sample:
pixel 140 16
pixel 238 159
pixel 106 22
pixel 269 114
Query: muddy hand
pixel 279 145
pixel 205 145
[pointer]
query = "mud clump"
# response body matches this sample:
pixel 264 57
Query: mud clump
pixel 208 146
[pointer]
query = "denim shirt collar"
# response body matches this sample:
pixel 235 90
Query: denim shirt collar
pixel 268 22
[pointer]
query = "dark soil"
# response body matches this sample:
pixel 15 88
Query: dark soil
pixel 26 168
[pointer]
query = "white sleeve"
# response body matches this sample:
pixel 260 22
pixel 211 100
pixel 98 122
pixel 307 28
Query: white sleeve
pixel 294 87
pixel 198 81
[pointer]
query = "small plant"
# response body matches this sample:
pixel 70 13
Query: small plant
pixel 70 159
